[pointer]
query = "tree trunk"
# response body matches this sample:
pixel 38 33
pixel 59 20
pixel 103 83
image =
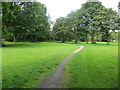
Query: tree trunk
pixel 14 39
pixel 86 38
pixel 93 38
pixel 107 34
pixel 33 38
pixel 3 42
pixel 63 41
pixel 75 41
pixel 76 38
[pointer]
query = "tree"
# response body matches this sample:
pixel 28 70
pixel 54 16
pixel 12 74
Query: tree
pixel 8 16
pixel 92 19
pixel 91 12
pixel 82 24
pixel 76 24
pixel 0 23
pixel 30 24
pixel 61 29
pixel 108 21
pixel 34 21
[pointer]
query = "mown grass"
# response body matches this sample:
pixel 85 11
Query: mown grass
pixel 26 64
pixel 96 66
pixel 0 68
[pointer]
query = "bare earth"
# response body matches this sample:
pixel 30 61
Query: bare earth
pixel 54 80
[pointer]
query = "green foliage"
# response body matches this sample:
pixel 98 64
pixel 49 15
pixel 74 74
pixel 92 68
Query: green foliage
pixel 92 19
pixel 26 21
pixel 108 21
pixel 61 29
pixel 114 36
pixel 8 15
pixel 34 21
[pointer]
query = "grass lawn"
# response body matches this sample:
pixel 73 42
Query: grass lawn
pixel 96 66
pixel 0 68
pixel 26 64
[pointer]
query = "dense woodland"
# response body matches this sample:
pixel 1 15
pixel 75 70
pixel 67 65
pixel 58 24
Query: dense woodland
pixel 29 21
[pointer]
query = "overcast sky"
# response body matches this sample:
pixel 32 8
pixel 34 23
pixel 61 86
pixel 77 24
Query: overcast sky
pixel 60 8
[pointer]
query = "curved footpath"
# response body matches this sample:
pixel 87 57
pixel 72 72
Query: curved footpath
pixel 54 80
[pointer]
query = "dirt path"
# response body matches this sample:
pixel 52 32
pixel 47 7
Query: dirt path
pixel 54 80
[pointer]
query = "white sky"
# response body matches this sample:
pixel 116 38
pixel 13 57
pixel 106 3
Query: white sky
pixel 60 8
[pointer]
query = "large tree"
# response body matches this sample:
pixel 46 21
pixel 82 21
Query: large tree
pixel 61 29
pixel 92 19
pixel 108 20
pixel 30 24
pixel 8 15
pixel 34 20
pixel 91 11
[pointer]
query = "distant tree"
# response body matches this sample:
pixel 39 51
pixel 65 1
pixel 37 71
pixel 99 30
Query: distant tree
pixel 60 29
pixel 1 23
pixel 93 19
pixel 108 20
pixel 91 13
pixel 114 36
pixel 77 25
pixel 82 24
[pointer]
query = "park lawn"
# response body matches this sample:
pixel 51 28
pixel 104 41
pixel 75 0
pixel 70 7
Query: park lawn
pixel 25 64
pixel 96 66
pixel 0 68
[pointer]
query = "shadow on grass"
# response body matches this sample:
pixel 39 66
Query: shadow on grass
pixel 98 43
pixel 21 44
pixel 105 43
pixel 66 42
pixel 15 45
pixel 37 44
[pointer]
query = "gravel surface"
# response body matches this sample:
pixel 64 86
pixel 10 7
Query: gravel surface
pixel 54 80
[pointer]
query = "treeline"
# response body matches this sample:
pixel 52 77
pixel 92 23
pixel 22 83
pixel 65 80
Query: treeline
pixel 25 21
pixel 91 22
pixel 28 21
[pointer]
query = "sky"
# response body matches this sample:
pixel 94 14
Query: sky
pixel 60 8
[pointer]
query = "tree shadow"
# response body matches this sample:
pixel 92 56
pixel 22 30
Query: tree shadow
pixel 15 45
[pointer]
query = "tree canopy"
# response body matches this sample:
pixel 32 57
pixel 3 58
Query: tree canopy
pixel 25 21
pixel 92 21
pixel 29 21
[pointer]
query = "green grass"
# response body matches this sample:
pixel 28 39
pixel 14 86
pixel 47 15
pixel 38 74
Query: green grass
pixel 96 66
pixel 26 64
pixel 0 68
